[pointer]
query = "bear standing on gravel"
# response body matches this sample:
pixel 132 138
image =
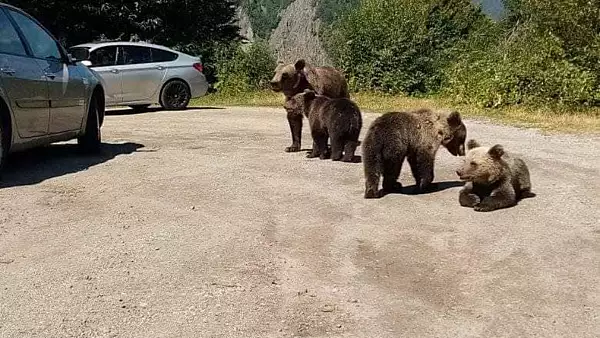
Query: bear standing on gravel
pixel 494 179
pixel 416 136
pixel 292 79
pixel 339 119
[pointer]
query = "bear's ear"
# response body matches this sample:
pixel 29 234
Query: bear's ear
pixel 309 94
pixel 472 144
pixel 300 64
pixel 496 151
pixel 454 119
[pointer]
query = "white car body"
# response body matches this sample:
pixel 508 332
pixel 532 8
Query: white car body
pixel 136 74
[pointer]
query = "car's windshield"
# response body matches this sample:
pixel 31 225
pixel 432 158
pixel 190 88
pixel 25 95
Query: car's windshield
pixel 80 53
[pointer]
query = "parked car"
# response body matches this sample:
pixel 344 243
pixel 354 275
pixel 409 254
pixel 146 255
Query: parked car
pixel 139 74
pixel 45 96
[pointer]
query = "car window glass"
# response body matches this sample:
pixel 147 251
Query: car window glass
pixel 159 55
pixel 80 53
pixel 10 42
pixel 133 55
pixel 41 43
pixel 102 57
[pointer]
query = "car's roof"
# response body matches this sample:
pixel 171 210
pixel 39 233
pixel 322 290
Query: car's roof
pixel 95 45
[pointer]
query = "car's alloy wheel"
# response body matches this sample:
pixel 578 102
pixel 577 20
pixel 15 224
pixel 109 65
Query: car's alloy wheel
pixel 175 95
pixel 92 139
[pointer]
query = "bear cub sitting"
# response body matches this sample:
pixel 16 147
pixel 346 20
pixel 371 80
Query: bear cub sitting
pixel 338 119
pixel 415 136
pixel 494 179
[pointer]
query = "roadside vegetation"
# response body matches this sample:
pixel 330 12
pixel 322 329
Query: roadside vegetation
pixel 537 66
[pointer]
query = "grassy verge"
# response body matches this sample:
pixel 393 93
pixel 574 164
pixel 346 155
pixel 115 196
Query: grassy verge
pixel 545 118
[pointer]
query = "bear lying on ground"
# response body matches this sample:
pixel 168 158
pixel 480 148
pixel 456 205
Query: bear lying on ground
pixel 494 179
pixel 338 119
pixel 294 79
pixel 414 135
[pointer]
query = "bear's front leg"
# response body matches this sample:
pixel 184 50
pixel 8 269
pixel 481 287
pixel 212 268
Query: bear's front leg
pixel 466 196
pixel 314 152
pixel 295 122
pixel 502 197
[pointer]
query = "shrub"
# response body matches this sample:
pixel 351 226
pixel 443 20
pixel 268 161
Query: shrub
pixel 520 63
pixel 241 68
pixel 401 46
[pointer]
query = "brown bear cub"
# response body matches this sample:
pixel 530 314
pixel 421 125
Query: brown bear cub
pixel 292 79
pixel 414 135
pixel 337 119
pixel 494 179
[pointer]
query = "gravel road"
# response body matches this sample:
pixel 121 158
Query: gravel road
pixel 198 224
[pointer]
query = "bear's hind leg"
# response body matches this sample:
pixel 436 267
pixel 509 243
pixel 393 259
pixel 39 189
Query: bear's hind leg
pixel 349 150
pixel 421 166
pixel 337 146
pixel 500 198
pixel 391 173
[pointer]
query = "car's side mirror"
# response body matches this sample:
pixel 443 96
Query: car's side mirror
pixel 70 59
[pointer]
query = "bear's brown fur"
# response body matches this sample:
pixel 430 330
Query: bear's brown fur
pixel 414 135
pixel 494 179
pixel 292 79
pixel 336 118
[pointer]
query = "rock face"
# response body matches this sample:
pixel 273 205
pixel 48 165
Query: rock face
pixel 243 21
pixel 297 35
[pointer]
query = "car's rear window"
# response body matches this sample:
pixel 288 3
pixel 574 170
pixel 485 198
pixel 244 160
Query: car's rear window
pixel 159 55
pixel 80 53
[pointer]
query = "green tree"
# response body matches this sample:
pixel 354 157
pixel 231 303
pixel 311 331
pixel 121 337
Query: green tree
pixel 176 23
pixel 401 46
pixel 542 53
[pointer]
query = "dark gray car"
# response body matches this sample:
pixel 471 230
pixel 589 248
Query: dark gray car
pixel 45 97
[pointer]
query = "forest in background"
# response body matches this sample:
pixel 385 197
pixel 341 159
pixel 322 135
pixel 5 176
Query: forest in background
pixel 533 52
pixel 517 52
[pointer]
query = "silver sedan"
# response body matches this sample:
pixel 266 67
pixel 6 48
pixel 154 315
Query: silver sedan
pixel 139 74
pixel 45 96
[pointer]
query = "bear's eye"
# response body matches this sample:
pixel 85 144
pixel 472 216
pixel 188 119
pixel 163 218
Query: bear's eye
pixel 473 164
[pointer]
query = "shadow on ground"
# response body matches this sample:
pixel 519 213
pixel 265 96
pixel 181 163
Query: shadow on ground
pixel 130 111
pixel 435 187
pixel 37 165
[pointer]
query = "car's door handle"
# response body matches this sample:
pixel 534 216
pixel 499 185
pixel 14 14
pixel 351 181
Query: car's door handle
pixel 50 76
pixel 114 71
pixel 8 71
pixel 160 67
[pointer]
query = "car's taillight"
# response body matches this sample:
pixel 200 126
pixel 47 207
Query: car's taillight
pixel 199 67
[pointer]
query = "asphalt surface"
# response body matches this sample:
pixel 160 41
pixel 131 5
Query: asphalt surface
pixel 198 224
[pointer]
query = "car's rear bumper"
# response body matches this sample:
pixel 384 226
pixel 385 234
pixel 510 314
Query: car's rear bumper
pixel 198 86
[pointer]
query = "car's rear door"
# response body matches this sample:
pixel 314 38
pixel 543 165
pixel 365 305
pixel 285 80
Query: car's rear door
pixel 66 87
pixel 142 77
pixel 23 81
pixel 104 62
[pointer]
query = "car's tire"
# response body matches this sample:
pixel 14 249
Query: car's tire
pixel 139 108
pixel 175 95
pixel 92 139
pixel 4 145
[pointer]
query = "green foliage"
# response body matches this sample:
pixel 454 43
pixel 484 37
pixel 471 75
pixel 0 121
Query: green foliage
pixel 175 23
pixel 242 68
pixel 543 53
pixel 401 46
pixel 265 15
pixel 331 10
